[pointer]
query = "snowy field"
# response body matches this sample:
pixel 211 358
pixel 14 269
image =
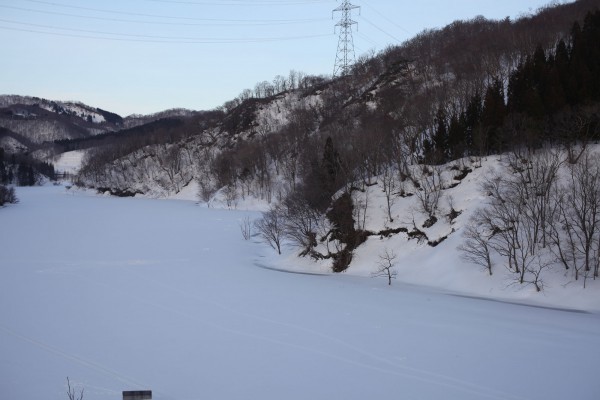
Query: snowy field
pixel 131 294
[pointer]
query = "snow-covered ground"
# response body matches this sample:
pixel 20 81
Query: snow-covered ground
pixel 125 294
pixel 69 162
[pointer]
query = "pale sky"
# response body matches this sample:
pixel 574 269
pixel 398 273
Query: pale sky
pixel 144 56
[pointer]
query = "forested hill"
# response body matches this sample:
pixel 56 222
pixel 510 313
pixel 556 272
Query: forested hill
pixel 30 121
pixel 29 124
pixel 441 80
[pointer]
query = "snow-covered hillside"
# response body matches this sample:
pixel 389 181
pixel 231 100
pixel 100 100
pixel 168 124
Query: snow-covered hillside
pixel 72 108
pixel 125 294
pixel 429 255
pixel 33 121
pixel 434 259
pixel 69 162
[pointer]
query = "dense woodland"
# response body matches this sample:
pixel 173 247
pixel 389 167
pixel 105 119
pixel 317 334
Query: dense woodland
pixel 312 146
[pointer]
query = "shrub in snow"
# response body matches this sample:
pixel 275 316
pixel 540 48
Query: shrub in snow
pixel 7 195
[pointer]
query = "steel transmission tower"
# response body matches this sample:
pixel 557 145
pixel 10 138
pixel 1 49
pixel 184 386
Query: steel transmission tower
pixel 345 52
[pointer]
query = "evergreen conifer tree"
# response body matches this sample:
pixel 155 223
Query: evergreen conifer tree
pixel 472 121
pixel 456 137
pixel 440 138
pixel 492 115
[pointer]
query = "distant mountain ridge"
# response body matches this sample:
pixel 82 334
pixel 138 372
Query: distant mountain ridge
pixel 70 108
pixel 28 122
pixel 134 120
pixel 31 121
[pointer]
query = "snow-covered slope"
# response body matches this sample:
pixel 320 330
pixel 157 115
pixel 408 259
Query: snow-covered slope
pixel 69 162
pixel 440 265
pixel 77 109
pixel 40 120
pixel 72 108
pixel 129 294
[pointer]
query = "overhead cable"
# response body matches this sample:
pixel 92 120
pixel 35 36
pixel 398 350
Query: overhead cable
pixel 208 22
pixel 136 14
pixel 157 39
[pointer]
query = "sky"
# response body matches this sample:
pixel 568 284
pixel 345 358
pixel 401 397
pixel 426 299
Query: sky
pixel 145 56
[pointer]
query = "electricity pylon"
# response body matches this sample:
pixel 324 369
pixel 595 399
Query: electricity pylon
pixel 345 56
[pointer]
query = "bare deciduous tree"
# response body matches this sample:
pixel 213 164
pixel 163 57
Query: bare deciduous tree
pixel 302 224
pixel 430 192
pixel 271 228
pixel 512 234
pixel 246 228
pixel 476 247
pixel 518 216
pixel 389 183
pixel 71 393
pixel 231 195
pixel 534 273
pixel 537 176
pixel 386 266
pixel 576 228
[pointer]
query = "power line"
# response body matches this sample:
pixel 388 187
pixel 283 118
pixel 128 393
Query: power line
pixel 368 39
pixel 135 14
pixel 381 30
pixel 240 3
pixel 153 39
pixel 99 32
pixel 213 22
pixel 386 18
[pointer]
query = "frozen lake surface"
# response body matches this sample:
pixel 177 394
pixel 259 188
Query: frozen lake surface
pixel 128 294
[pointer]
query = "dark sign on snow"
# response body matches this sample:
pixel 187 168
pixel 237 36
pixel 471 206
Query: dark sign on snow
pixel 137 395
